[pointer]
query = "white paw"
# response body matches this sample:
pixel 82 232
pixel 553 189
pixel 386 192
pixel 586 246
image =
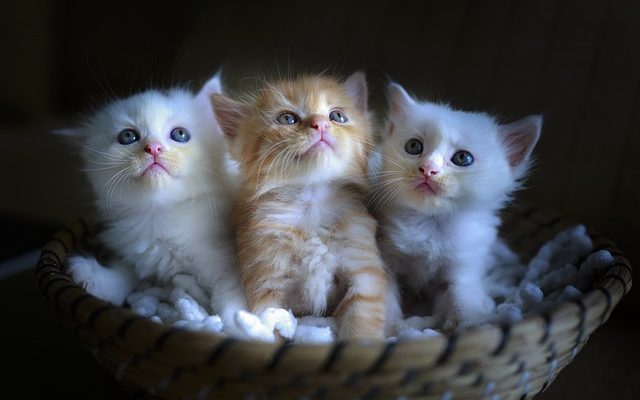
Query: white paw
pixel 187 306
pixel 109 284
pixel 452 324
pixel 480 313
pixel 83 271
pixel 281 320
pixel 143 304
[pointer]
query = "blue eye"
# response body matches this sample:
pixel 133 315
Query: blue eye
pixel 338 116
pixel 128 136
pixel 462 158
pixel 287 118
pixel 413 146
pixel 180 135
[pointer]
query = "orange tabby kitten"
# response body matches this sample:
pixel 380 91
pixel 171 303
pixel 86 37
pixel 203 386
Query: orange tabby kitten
pixel 305 239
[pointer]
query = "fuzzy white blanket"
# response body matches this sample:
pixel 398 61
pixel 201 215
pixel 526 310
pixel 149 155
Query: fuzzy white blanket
pixel 549 278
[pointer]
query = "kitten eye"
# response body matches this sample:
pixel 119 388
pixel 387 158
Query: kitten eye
pixel 287 118
pixel 180 135
pixel 338 116
pixel 413 146
pixel 128 136
pixel 462 158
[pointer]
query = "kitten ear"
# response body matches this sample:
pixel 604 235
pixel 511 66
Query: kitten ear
pixel 399 100
pixel 356 86
pixel 519 138
pixel 228 113
pixel 213 85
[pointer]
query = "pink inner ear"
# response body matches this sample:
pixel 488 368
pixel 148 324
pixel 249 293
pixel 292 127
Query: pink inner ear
pixel 395 108
pixel 519 145
pixel 519 138
pixel 390 128
pixel 398 100
pixel 228 114
pixel 356 86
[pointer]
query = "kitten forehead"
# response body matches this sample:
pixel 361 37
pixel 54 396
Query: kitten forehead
pixel 151 112
pixel 327 93
pixel 438 122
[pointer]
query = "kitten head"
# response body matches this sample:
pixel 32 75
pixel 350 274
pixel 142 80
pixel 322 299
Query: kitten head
pixel 438 160
pixel 312 129
pixel 151 148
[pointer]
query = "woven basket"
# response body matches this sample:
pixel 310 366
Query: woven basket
pixel 513 361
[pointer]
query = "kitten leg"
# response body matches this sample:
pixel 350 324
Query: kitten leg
pixel 394 310
pixel 113 283
pixel 215 272
pixel 227 298
pixel 362 311
pixel 265 261
pixel 468 298
pixel 267 296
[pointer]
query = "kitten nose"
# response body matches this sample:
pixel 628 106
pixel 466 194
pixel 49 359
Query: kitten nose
pixel 153 148
pixel 430 170
pixel 320 124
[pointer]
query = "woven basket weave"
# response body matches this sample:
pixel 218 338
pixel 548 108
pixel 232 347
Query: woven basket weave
pixel 512 361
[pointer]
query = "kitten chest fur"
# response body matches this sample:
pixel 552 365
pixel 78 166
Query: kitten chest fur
pixel 426 249
pixel 162 240
pixel 311 222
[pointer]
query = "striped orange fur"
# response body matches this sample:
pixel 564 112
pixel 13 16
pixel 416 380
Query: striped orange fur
pixel 306 241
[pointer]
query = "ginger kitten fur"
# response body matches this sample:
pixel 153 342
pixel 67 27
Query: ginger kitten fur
pixel 305 239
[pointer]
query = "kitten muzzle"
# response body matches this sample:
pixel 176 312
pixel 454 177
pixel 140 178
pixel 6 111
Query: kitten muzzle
pixel 155 167
pixel 322 140
pixel 428 185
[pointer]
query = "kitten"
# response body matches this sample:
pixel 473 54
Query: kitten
pixel 443 176
pixel 305 239
pixel 157 164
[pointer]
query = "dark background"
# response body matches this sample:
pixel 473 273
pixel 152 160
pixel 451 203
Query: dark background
pixel 575 62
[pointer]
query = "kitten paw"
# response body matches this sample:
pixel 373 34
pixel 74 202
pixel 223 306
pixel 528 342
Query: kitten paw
pixel 452 324
pixel 280 320
pixel 110 284
pixel 187 306
pixel 481 313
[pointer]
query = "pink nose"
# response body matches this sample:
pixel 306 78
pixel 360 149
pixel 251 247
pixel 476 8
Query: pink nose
pixel 321 125
pixel 153 148
pixel 429 170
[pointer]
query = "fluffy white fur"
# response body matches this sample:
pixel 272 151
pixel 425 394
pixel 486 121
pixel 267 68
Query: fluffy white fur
pixel 161 222
pixel 439 241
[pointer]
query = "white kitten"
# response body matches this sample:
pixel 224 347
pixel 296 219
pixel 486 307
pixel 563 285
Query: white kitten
pixel 443 176
pixel 158 168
